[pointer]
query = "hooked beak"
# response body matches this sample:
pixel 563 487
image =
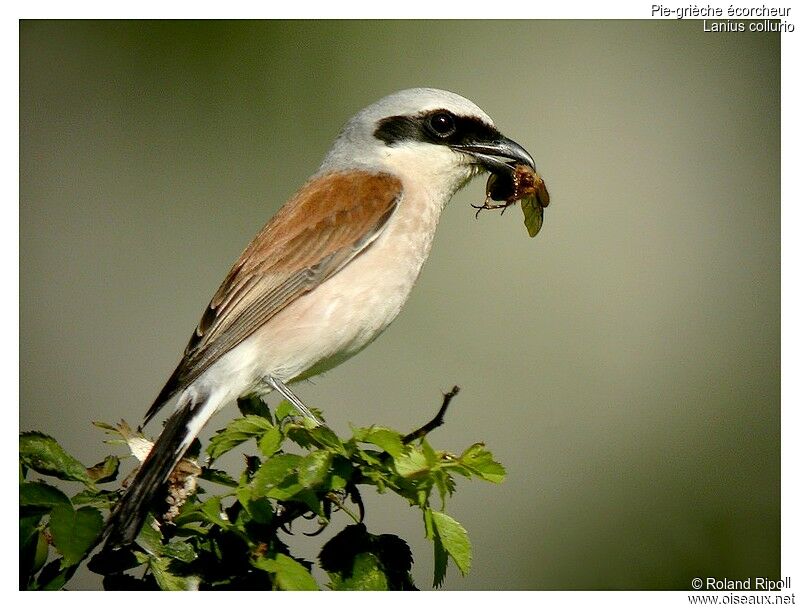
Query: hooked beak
pixel 499 155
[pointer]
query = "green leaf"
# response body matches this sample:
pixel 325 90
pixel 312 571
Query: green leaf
pixel 43 454
pixel 439 553
pixel 270 442
pixel 445 484
pixel 253 405
pixel 286 489
pixel 341 473
pixel 99 498
pixel 274 471
pixel 42 552
pixel 427 518
pixel 218 476
pixel 454 540
pixel 284 410
pixel 480 461
pixel 180 550
pixel 74 531
pixel 169 581
pixel 314 467
pixel 149 538
pixel 388 440
pixel 54 576
pixel 290 575
pixel 325 437
pixel 212 511
pixel 431 456
pixel 259 509
pixel 41 494
pixel 411 464
pixel 28 543
pixel 105 471
pixel 439 562
pixel 367 575
pixel 237 432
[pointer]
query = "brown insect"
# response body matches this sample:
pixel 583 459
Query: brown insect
pixel 524 185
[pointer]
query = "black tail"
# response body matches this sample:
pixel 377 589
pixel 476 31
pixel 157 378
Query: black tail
pixel 130 512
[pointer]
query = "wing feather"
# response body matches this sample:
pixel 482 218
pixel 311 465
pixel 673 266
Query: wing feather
pixel 330 221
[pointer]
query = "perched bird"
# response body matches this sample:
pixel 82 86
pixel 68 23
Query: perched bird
pixel 328 273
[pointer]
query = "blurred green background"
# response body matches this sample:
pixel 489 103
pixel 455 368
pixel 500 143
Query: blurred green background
pixel 624 365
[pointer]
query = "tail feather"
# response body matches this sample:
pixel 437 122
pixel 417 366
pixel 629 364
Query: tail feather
pixel 180 430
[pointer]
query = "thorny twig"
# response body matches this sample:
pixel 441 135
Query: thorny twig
pixel 437 420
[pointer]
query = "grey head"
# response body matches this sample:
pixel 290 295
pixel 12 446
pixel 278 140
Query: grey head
pixel 432 126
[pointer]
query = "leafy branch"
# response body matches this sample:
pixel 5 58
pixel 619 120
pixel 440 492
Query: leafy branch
pixel 217 531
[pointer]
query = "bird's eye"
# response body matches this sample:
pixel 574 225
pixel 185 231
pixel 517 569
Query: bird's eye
pixel 442 124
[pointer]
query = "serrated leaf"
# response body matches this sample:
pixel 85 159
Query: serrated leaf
pixel 253 405
pixel 41 494
pixel 105 471
pixel 235 433
pixel 430 455
pixel 341 473
pixel 54 576
pixel 149 538
pixel 396 558
pixel 367 576
pixel 212 511
pixel 427 519
pixel 74 531
pixel 389 440
pixel 314 467
pixel 99 498
pixel 439 554
pixel 273 472
pixel 270 442
pixel 325 437
pixel 180 550
pixel 286 489
pixel 169 581
pixel 445 484
pixel 312 500
pixel 218 476
pixel 284 410
pixel 43 454
pixel 480 461
pixel 454 540
pixel 439 563
pixel 393 554
pixel 260 510
pixel 337 554
pixel 411 464
pixel 289 574
pixel 28 543
pixel 42 553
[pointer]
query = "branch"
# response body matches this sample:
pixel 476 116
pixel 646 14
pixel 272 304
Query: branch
pixel 437 420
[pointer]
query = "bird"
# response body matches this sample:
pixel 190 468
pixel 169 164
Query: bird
pixel 328 272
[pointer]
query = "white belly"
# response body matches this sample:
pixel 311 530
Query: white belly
pixel 344 314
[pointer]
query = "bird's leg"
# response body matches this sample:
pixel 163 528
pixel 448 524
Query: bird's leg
pixel 292 398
